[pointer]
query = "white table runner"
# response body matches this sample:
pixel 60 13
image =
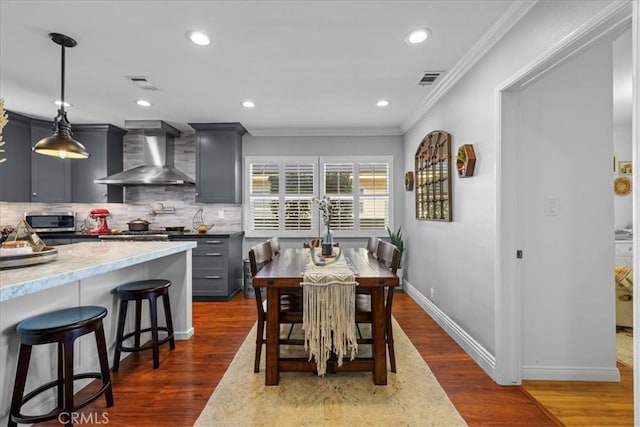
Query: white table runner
pixel 329 293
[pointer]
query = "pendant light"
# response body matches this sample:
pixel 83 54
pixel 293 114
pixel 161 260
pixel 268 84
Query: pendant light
pixel 61 144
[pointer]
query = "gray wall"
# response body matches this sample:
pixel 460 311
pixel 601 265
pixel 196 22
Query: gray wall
pixel 332 146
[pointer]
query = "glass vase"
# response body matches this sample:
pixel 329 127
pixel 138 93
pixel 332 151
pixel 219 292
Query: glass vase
pixel 327 243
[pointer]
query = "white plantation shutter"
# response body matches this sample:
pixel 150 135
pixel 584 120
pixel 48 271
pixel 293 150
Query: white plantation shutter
pixel 373 179
pixel 339 186
pixel 264 203
pixel 280 192
pixel 298 192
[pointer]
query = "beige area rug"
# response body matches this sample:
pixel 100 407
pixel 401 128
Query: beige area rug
pixel 413 396
pixel 624 346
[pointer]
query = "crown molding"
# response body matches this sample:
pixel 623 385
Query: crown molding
pixel 386 131
pixel 451 78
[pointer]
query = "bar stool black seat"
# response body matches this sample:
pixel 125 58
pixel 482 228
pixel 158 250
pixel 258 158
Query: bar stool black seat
pixel 138 291
pixel 62 327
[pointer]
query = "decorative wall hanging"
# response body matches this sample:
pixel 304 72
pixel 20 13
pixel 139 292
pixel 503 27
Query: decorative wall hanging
pixel 433 180
pixel 465 160
pixel 408 181
pixel 622 186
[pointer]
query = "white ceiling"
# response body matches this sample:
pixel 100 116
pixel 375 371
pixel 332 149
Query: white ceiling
pixel 306 64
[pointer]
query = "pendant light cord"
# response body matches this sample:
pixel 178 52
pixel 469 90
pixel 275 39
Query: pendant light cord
pixel 62 81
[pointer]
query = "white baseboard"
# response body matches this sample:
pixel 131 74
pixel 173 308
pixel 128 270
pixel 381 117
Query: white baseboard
pixel 183 335
pixel 477 352
pixel 487 361
pixel 568 373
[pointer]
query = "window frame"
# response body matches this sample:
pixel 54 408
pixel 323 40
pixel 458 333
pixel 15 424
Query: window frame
pixel 318 188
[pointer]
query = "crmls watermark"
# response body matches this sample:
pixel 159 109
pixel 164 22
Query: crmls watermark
pixel 80 418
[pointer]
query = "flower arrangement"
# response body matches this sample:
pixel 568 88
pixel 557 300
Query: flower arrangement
pixel 325 207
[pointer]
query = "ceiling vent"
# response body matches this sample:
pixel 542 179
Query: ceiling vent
pixel 142 82
pixel 429 78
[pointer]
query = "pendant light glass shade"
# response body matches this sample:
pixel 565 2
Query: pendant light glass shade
pixel 61 144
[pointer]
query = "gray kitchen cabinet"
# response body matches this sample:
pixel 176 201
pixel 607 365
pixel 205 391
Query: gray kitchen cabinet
pixel 15 172
pixel 50 176
pixel 104 143
pixel 38 178
pixel 216 264
pixel 218 162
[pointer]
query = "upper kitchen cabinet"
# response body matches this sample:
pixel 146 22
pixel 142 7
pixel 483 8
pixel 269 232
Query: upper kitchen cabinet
pixel 218 162
pixel 50 176
pixel 38 178
pixel 104 143
pixel 15 171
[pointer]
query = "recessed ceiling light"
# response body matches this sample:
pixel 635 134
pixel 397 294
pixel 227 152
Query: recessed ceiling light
pixel 382 103
pixel 143 103
pixel 417 36
pixel 248 104
pixel 59 103
pixel 199 38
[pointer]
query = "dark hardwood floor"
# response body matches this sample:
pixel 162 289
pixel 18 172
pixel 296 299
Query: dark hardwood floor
pixel 174 394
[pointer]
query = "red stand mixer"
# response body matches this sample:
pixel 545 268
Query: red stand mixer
pixel 100 215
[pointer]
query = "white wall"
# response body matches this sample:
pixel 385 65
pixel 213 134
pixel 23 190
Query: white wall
pixel 457 259
pixel 567 287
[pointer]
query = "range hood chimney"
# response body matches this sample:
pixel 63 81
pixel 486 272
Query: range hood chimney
pixel 157 139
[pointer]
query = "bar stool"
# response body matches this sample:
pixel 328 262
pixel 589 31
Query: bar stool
pixel 139 291
pixel 62 327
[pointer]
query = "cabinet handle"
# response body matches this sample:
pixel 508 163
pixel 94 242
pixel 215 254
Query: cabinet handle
pixel 213 277
pixel 34 194
pixel 214 254
pixel 214 242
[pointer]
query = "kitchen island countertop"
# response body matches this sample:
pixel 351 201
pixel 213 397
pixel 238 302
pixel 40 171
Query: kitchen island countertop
pixel 81 260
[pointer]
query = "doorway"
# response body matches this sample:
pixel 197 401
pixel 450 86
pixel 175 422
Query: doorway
pixel 550 180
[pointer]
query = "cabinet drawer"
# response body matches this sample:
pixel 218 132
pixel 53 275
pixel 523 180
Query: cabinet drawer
pixel 202 273
pixel 212 285
pixel 213 244
pixel 214 259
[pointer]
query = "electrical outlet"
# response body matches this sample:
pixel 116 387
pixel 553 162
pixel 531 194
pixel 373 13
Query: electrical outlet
pixel 220 214
pixel 432 295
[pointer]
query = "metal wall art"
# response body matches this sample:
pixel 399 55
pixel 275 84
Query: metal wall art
pixel 433 178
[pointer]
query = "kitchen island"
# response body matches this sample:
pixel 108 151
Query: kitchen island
pixel 86 274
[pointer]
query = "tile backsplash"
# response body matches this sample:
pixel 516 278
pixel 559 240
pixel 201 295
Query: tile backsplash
pixel 162 206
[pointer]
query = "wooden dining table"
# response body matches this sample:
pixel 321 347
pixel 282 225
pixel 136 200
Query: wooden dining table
pixel 286 271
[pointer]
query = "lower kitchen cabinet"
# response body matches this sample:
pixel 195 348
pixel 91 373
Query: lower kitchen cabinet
pixel 217 265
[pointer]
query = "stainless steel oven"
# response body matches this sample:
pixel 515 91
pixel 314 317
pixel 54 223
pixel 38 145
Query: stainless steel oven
pixel 50 222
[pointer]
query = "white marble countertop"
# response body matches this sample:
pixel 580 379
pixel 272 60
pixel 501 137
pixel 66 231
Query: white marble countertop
pixel 81 260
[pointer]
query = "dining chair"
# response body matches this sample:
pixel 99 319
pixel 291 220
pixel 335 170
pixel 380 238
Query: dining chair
pixel 388 255
pixel 372 245
pixel 290 304
pixel 275 245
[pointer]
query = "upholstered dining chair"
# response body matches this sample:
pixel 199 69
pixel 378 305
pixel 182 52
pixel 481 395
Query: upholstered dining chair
pixel 388 255
pixel 290 304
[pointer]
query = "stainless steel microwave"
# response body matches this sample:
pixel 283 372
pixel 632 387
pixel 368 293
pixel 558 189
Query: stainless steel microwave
pixel 51 221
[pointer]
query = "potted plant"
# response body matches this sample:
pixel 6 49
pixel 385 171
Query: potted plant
pixel 395 238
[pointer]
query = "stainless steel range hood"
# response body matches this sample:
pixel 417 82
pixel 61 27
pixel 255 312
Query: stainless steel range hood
pixel 157 139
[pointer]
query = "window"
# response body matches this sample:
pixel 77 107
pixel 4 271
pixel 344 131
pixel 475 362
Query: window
pixel 280 191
